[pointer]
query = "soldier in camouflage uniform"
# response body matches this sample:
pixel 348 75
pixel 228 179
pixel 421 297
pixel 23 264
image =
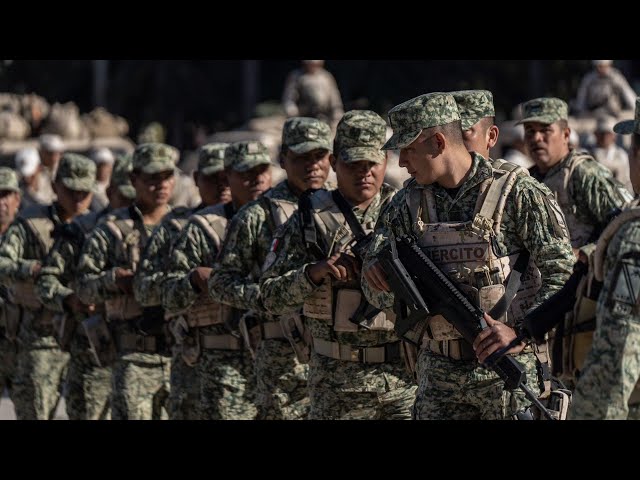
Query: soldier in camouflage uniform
pixel 9 205
pixel 41 362
pixel 477 114
pixel 208 337
pixel 154 265
pixel 88 385
pixel 609 387
pixel 440 207
pixel 108 262
pixel 281 392
pixel 355 370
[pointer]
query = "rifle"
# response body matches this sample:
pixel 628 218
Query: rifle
pixel 423 290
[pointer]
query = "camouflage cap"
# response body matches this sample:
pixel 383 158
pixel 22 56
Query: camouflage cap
pixel 211 158
pixel 473 105
pixel 120 176
pixel 544 110
pixel 155 157
pixel 303 134
pixel 627 127
pixel 8 179
pixel 409 118
pixel 243 156
pixel 360 135
pixel 77 172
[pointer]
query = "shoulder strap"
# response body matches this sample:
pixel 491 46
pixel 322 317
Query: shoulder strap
pixel 606 236
pixel 347 211
pixel 41 226
pixel 213 225
pixel 312 240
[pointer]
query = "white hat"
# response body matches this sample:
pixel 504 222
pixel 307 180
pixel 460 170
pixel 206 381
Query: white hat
pixel 27 161
pixel 50 142
pixel 601 62
pixel 102 155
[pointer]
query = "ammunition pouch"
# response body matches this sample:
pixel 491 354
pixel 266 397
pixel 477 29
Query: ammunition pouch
pixel 353 310
pixel 577 336
pixel 122 307
pixel 24 294
pixel 12 315
pixel 101 344
pixel 294 330
pixel 409 353
pixel 64 325
pixel 376 354
pixel 208 312
pixel 220 342
pixel 186 340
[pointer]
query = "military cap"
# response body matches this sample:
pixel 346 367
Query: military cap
pixel 629 126
pixel 473 105
pixel 409 118
pixel 152 133
pixel 211 158
pixel 8 179
pixel 360 135
pixel 50 142
pixel 303 134
pixel 120 176
pixel 77 172
pixel 155 157
pixel 544 110
pixel 243 156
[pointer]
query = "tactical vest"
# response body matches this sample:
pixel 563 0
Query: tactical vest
pixel 38 220
pixel 206 311
pixel 468 252
pixel 560 184
pixel 280 208
pixel 334 302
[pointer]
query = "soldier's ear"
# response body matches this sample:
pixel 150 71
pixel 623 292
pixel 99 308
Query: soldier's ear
pixel 440 141
pixel 333 160
pixel 494 132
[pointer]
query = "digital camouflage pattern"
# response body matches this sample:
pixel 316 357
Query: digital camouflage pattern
pixel 8 180
pixel 154 157
pixel 359 137
pixel 473 105
pixel 226 378
pixel 281 380
pixel 122 168
pixel 88 387
pixel 40 364
pixel 528 223
pixel 303 134
pixel 629 126
pixel 211 158
pixel 546 110
pixel 337 389
pixel 243 156
pixel 140 381
pixel 425 111
pixel 77 172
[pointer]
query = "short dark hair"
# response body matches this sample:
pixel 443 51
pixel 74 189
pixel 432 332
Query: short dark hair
pixel 562 123
pixel 453 131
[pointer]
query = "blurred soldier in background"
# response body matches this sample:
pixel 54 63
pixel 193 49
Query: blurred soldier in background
pixel 50 148
pixel 27 164
pixel 612 156
pixel 103 158
pixel 604 91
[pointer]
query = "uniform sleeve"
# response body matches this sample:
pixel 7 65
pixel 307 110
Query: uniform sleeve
pixel 233 280
pixel 612 366
pixel 57 272
pixel 12 266
pixel 190 251
pixel 96 268
pixel 284 284
pixel 147 283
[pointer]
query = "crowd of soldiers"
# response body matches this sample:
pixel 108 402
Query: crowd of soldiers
pixel 256 303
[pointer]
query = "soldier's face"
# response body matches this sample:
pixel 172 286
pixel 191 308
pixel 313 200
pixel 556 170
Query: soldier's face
pixel 422 158
pixel 153 189
pixel 359 181
pixel 214 188
pixel 481 137
pixel 634 163
pixel 249 185
pixel 73 202
pixel 306 170
pixel 9 204
pixel 546 144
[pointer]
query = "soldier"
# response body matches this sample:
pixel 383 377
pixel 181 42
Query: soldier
pixel 355 370
pixel 108 262
pixel 209 337
pixel 88 385
pixel 440 206
pixel 477 113
pixel 50 148
pixel 607 153
pixel 27 164
pixel 586 191
pixel 281 392
pixel 147 284
pixel 41 362
pixel 604 91
pixel 9 205
pixel 608 387
pixel 104 159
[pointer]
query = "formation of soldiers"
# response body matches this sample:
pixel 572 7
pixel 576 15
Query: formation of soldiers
pixel 250 305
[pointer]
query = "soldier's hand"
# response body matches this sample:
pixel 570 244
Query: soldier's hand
pixel 497 335
pixel 75 305
pixel 124 279
pixel 341 266
pixel 35 269
pixel 376 277
pixel 199 277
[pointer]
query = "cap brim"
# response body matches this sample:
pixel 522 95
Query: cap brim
pixel 246 166
pixel 210 170
pixel 625 127
pixel 305 147
pixel 127 191
pixel 78 185
pixel 401 140
pixel 9 189
pixel 362 154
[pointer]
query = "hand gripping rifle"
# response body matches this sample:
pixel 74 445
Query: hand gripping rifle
pixel 421 289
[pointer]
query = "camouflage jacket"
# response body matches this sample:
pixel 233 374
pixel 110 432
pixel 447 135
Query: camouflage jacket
pixel 528 222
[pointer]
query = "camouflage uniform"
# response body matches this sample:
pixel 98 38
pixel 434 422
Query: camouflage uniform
pixel 586 191
pixel 8 348
pixel 140 375
pixel 41 364
pixel 473 106
pixel 281 392
pixel 353 371
pixel 459 388
pixel 608 386
pixel 609 94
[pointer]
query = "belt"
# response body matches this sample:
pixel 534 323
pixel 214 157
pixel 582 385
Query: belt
pixel 137 343
pixel 220 342
pixel 270 330
pixel 458 349
pixel 381 354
